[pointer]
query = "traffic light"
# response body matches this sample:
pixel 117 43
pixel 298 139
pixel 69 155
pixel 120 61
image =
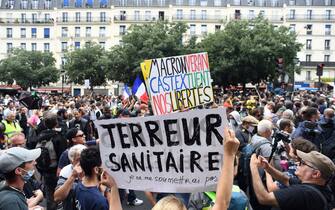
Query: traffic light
pixel 319 69
pixel 280 65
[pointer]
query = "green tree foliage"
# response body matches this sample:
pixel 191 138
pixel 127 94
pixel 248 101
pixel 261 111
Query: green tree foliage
pixel 29 68
pixel 87 63
pixel 246 51
pixel 152 40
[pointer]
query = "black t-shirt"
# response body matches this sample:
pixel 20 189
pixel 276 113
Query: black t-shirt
pixel 300 196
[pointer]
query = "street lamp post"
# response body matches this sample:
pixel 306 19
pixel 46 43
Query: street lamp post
pixel 62 73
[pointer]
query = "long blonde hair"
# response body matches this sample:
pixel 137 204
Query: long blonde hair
pixel 169 203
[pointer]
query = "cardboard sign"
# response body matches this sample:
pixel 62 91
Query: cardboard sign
pixel 179 152
pixel 177 83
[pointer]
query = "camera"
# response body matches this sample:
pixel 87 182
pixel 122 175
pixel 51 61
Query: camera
pixel 282 136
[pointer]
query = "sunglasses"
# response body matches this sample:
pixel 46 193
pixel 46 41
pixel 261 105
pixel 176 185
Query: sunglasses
pixel 303 163
pixel 80 135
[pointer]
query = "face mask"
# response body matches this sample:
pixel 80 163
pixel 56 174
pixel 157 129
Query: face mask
pixel 251 129
pixel 28 174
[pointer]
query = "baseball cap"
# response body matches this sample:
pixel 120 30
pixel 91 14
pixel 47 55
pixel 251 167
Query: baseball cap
pixel 320 162
pixel 251 119
pixel 14 157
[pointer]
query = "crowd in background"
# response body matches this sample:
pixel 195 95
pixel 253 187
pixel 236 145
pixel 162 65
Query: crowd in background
pixel 279 154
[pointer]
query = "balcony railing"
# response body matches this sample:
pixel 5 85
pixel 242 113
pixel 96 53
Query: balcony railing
pixel 26 21
pixel 188 17
pixel 84 20
pixel 135 18
pixel 310 17
pixel 273 18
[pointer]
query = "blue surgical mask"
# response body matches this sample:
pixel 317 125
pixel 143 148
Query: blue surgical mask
pixel 28 174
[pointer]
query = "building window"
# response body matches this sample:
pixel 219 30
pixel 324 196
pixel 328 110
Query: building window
pixel 326 58
pixel 102 45
pixel 122 15
pixel 137 15
pixel 192 29
pixel 77 31
pixel 251 14
pixel 292 28
pixel 309 2
pixel 179 2
pixel 122 30
pixel 102 32
pixel 47 4
pixel 23 18
pixel 308 44
pixel 64 31
pixel 9 33
pixel 308 75
pixel 47 18
pixel 309 14
pixel 63 61
pixel 88 31
pixel 34 17
pixel 291 2
pixel 328 2
pixel 89 3
pixel 309 29
pixel 147 15
pixel 33 32
pixel 23 33
pixel 217 27
pixel 103 3
pixel 236 2
pixel 9 47
pixel 203 14
pixel 327 44
pixel 46 32
pixel 23 46
pixel 33 47
pixel 217 3
pixel 328 29
pixel 204 30
pixel 65 17
pixel 34 4
pixel 24 4
pixel 77 17
pixel 203 2
pixel 192 16
pixel 237 14
pixel 77 45
pixel 78 3
pixel 192 2
pixel 292 14
pixel 64 46
pixel 328 14
pixel 308 58
pixel 102 16
pixel 46 47
pixel 179 14
pixel 88 17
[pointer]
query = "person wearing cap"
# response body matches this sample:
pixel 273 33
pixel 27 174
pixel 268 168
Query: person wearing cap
pixel 17 165
pixel 244 134
pixel 314 171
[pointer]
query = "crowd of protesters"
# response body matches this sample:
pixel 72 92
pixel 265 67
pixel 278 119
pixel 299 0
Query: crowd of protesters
pixel 279 153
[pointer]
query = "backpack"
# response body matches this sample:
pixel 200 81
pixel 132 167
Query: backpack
pixel 205 200
pixel 246 153
pixel 32 138
pixel 48 158
pixel 328 147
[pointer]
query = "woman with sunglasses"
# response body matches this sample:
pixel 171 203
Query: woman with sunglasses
pixel 74 136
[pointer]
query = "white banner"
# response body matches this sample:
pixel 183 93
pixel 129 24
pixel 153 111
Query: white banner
pixel 179 152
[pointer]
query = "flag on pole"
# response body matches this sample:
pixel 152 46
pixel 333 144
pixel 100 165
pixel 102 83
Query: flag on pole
pixel 125 93
pixel 139 90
